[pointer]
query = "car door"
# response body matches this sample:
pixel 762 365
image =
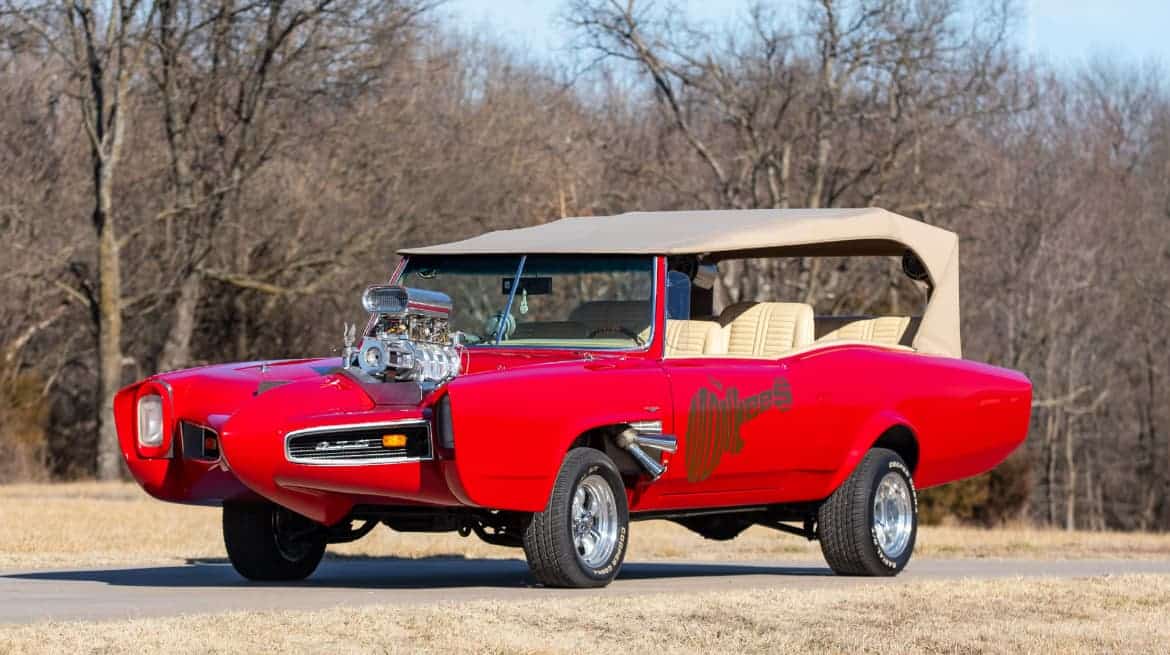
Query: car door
pixel 751 431
pixel 731 418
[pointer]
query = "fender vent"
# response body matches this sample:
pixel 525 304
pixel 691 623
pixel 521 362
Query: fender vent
pixel 370 443
pixel 198 442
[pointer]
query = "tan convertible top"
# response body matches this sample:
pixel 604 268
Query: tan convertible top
pixel 730 234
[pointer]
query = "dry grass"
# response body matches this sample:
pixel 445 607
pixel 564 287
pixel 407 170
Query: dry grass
pixel 1125 614
pixel 96 524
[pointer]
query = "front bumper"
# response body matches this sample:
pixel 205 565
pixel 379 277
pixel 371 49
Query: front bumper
pixel 326 490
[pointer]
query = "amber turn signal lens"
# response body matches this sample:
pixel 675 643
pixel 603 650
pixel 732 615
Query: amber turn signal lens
pixel 393 440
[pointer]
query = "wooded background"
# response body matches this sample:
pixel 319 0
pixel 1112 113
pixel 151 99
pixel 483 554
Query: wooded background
pixel 191 181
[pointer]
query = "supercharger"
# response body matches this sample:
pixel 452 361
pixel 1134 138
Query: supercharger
pixel 410 339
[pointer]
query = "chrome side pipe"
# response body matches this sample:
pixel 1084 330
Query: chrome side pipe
pixel 632 442
pixel 666 444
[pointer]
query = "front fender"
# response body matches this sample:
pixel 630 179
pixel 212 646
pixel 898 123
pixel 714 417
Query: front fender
pixel 513 428
pixel 171 477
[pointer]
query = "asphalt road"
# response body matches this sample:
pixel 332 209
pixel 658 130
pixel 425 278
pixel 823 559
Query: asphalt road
pixel 213 586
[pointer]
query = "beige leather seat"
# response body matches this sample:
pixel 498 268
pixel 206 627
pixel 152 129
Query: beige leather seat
pixel 766 329
pixel 692 338
pixel 881 330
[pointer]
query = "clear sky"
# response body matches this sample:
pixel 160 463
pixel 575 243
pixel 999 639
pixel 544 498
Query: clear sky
pixel 1065 31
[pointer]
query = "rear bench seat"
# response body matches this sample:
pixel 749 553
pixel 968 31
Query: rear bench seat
pixel 881 330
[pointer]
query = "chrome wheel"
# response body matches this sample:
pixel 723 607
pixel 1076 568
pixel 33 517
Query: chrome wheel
pixel 594 521
pixel 580 538
pixel 893 515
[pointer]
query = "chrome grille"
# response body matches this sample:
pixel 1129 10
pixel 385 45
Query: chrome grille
pixel 358 444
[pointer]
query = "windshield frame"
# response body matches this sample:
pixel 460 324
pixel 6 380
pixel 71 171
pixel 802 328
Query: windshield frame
pixel 652 340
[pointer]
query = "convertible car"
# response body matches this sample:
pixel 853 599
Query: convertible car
pixel 543 387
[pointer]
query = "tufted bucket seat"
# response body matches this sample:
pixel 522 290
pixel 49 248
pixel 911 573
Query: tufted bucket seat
pixel 766 329
pixel 693 338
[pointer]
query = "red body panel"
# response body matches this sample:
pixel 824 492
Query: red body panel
pixel 749 431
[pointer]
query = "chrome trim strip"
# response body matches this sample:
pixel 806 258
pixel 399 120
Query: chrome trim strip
pixel 358 426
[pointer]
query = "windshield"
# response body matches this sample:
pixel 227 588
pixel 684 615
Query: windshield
pixel 568 301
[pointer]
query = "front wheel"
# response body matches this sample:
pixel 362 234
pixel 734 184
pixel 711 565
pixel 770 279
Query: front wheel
pixel 270 543
pixel 579 540
pixel 869 524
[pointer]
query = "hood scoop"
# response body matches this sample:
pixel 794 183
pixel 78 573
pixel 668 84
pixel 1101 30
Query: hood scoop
pixel 407 393
pixel 267 385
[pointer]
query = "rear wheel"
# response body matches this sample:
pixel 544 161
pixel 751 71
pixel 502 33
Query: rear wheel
pixel 579 540
pixel 270 543
pixel 869 525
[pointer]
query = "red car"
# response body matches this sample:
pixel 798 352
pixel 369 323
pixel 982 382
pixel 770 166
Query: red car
pixel 543 387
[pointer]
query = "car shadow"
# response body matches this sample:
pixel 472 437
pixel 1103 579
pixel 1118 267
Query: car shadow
pixel 358 572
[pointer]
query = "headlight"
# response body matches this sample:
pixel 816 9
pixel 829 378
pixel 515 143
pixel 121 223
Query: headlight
pixel 150 421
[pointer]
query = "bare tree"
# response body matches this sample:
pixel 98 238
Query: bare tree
pixel 227 75
pixel 831 108
pixel 101 46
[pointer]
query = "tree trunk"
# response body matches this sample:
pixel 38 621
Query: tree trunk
pixel 176 351
pixel 1050 465
pixel 1070 485
pixel 109 459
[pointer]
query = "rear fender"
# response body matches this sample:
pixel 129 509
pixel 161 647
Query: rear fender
pixel 863 441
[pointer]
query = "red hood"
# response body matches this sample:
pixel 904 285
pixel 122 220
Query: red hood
pixel 482 360
pixel 476 360
pixel 212 393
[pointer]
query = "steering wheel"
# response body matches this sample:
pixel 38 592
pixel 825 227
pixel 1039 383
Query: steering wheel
pixel 492 325
pixel 618 329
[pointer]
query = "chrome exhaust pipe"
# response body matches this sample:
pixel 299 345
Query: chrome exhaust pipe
pixel 666 444
pixel 630 441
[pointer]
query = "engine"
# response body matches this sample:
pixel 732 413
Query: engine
pixel 411 337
